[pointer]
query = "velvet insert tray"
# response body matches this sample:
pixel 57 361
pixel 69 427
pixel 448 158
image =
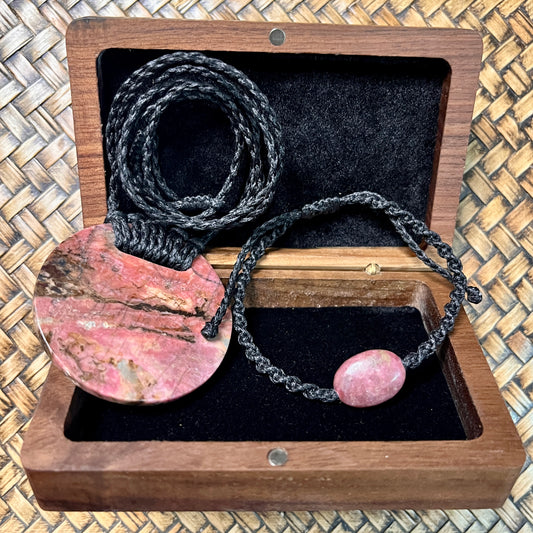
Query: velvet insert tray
pixel 384 109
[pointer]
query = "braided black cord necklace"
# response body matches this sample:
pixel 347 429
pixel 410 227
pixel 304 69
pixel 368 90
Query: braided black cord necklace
pixel 112 317
pixel 161 230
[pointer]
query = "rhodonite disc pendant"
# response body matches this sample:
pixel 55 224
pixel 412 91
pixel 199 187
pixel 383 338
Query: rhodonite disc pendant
pixel 125 329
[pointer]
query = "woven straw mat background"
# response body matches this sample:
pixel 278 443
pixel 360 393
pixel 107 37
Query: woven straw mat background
pixel 40 206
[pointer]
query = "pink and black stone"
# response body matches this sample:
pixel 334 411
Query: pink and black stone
pixel 125 329
pixel 369 378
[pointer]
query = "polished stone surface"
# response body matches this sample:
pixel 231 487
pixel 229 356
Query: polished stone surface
pixel 125 329
pixel 369 378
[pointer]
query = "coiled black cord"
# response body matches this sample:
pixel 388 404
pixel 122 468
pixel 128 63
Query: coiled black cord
pixel 168 229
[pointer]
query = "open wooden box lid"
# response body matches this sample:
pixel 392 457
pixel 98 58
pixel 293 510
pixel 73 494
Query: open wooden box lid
pixel 382 112
pixel 71 468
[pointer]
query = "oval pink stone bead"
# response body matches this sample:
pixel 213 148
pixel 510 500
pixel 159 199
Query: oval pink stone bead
pixel 369 378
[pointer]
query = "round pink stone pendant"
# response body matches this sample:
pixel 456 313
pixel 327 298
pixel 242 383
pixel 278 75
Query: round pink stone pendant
pixel 369 378
pixel 125 329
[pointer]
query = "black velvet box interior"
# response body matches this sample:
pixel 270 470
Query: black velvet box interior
pixel 349 123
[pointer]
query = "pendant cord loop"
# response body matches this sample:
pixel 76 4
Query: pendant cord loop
pixel 167 246
pixel 165 223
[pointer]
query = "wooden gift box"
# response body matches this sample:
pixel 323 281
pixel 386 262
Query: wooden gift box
pixel 386 109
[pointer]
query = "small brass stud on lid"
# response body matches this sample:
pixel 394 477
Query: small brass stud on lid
pixel 372 269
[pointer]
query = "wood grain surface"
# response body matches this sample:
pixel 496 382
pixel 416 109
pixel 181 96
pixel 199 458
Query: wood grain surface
pixel 40 206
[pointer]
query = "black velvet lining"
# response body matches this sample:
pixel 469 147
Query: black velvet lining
pixel 349 123
pixel 238 404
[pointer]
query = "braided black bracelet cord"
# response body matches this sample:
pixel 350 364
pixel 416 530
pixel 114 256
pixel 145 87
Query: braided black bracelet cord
pixel 168 229
pixel 410 229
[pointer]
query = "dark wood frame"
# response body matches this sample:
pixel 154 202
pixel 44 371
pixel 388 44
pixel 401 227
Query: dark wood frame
pixel 477 472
